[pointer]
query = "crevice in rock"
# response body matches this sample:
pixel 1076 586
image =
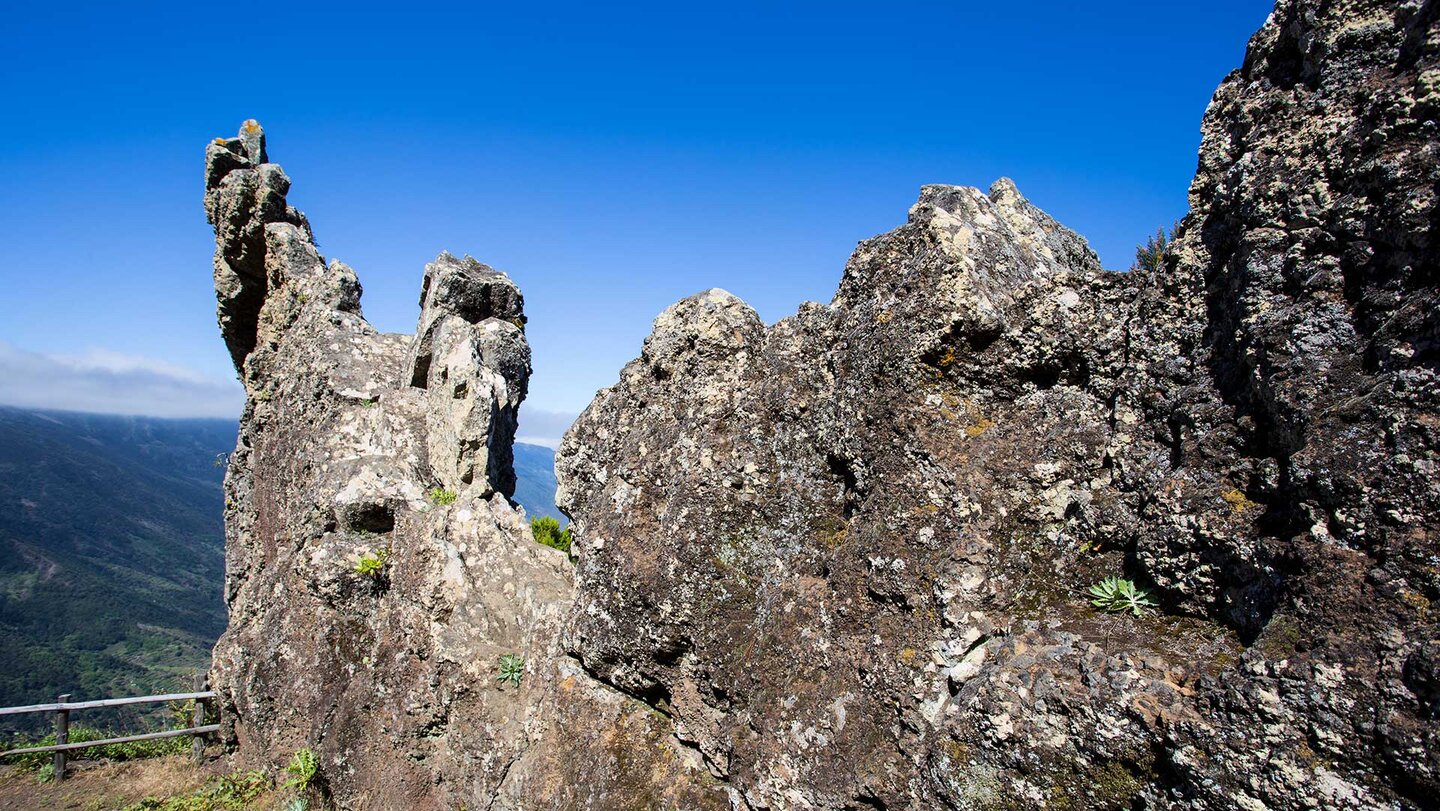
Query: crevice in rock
pixel 375 518
pixel 657 697
pixel 1071 370
pixel 844 470
pixel 867 800
pixel 652 693
pixel 671 651
pixel 1176 440
pixel 420 379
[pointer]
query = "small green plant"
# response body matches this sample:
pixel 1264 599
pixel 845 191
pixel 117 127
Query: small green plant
pixel 547 531
pixel 372 564
pixel 297 804
pixel 441 497
pixel 45 773
pixel 512 668
pixel 1115 595
pixel 1151 255
pixel 302 768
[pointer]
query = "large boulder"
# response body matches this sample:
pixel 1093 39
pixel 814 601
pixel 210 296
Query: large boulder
pixel 849 553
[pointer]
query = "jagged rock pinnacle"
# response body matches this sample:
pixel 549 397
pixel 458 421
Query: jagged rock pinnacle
pixel 399 447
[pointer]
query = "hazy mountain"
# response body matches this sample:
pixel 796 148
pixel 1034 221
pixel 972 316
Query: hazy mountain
pixel 535 481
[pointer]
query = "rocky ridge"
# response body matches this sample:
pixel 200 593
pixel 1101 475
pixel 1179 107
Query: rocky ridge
pixel 901 497
pixel 355 442
pixel 840 561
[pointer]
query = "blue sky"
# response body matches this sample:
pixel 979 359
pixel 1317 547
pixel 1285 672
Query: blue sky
pixel 612 160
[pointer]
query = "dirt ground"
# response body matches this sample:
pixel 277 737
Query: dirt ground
pixel 103 786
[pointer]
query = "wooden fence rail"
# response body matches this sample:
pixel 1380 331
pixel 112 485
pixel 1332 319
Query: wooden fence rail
pixel 62 709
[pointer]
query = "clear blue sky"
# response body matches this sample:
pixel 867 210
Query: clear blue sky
pixel 611 160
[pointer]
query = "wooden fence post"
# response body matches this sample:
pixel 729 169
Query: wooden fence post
pixel 197 719
pixel 62 735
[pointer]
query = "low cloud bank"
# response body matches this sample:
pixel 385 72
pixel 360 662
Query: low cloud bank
pixel 541 427
pixel 106 382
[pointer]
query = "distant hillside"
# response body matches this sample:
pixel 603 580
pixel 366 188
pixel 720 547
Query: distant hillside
pixel 111 552
pixel 535 481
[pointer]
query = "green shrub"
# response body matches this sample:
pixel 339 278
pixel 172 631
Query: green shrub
pixel 1115 595
pixel 512 668
pixel 302 768
pixel 441 497
pixel 547 531
pixel 372 564
pixel 1151 256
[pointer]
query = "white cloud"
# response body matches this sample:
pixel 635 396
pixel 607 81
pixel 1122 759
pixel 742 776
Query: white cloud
pixel 113 383
pixel 541 427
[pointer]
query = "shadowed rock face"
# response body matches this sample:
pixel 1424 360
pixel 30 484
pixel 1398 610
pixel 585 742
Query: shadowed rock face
pixel 353 441
pixel 841 562
pixel 848 553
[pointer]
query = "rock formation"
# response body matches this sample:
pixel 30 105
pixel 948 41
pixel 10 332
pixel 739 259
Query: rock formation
pixel 841 562
pixel 355 443
pixel 849 552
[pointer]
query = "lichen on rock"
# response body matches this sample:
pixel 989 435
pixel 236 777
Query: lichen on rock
pixel 849 552
pixel 842 561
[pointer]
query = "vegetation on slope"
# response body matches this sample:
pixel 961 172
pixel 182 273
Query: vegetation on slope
pixel 111 557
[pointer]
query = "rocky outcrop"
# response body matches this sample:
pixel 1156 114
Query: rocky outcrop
pixel 842 561
pixel 356 443
pixel 849 553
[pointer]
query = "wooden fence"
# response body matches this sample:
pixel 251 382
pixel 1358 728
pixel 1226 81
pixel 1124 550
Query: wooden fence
pixel 62 709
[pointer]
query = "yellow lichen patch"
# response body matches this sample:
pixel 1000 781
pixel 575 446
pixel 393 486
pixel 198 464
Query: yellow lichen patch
pixel 1237 500
pixel 984 424
pixel 832 531
pixel 979 422
pixel 884 317
pixel 219 141
pixel 947 358
pixel 1417 601
pixel 251 126
pixel 907 655
pixel 957 751
pixel 568 684
pixel 926 509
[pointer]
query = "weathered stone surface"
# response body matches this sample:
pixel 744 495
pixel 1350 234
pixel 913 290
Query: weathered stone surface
pixel 841 562
pixel 848 552
pixel 346 435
